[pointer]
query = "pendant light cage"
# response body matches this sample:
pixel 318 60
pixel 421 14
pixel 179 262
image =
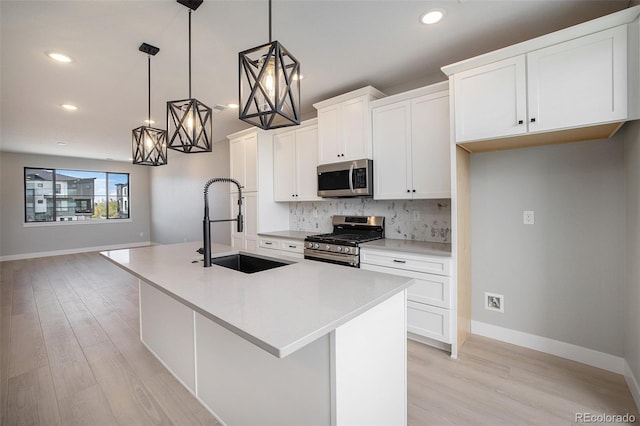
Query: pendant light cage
pixel 149 145
pixel 269 87
pixel 189 122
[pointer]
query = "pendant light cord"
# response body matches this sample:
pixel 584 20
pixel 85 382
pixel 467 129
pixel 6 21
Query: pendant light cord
pixel 190 53
pixel 149 91
pixel 270 39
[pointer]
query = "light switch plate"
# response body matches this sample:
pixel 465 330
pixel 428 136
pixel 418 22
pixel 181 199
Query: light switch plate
pixel 528 217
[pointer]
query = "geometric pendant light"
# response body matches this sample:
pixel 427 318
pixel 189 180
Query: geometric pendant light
pixel 269 85
pixel 189 121
pixel 149 144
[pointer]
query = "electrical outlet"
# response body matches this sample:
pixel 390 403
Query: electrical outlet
pixel 494 302
pixel 416 216
pixel 528 217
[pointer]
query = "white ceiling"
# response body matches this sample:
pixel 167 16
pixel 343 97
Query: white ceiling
pixel 341 45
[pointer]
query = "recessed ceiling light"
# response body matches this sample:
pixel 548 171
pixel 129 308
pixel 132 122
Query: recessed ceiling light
pixel 69 107
pixel 149 121
pixel 62 144
pixel 432 16
pixel 59 57
pixel 232 106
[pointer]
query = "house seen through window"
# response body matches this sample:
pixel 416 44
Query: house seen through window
pixel 60 195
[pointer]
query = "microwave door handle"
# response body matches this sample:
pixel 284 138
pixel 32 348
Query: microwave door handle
pixel 351 178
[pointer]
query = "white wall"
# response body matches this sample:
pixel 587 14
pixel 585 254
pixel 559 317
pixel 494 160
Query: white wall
pixel 632 251
pixel 20 241
pixel 177 204
pixel 562 278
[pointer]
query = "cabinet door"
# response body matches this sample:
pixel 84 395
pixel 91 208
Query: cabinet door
pixel 430 146
pixel 236 152
pixel 329 135
pixel 251 220
pixel 354 125
pixel 392 162
pixel 284 160
pixel 307 163
pixel 250 163
pixel 579 82
pixel 490 101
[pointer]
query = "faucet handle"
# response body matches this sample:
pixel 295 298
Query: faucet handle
pixel 200 250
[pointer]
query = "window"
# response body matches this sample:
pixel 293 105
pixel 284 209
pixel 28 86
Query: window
pixel 56 195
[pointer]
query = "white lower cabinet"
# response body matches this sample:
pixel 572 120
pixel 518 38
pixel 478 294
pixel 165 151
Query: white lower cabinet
pixel 276 245
pixel 430 309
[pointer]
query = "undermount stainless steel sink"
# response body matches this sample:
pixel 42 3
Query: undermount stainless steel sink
pixel 247 263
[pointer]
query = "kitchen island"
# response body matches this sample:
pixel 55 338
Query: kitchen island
pixel 305 343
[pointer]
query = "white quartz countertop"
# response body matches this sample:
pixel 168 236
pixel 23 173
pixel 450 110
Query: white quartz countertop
pixel 407 246
pixel 280 310
pixel 292 235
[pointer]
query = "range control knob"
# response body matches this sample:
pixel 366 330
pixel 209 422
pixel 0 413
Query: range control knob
pixel 347 249
pixel 316 245
pixel 327 247
pixel 338 249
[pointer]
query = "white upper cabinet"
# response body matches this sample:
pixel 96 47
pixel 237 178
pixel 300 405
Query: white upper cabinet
pixel 575 84
pixel 344 126
pixel 411 145
pixel 295 159
pixel 243 151
pixel 579 82
pixel 490 101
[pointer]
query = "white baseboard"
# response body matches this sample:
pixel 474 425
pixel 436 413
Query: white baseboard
pixel 633 383
pixel 587 356
pixel 72 251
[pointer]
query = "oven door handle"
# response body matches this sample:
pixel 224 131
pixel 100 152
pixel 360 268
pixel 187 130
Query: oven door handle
pixel 351 178
pixel 318 254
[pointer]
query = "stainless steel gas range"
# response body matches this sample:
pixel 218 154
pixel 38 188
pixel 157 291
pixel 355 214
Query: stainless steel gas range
pixel 342 246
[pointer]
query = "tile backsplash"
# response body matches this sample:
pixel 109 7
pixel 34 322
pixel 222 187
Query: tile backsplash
pixel 419 220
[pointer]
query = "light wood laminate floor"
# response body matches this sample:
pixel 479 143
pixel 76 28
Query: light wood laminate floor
pixel 71 355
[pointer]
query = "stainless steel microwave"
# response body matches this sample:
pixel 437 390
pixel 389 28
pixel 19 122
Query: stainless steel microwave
pixel 346 179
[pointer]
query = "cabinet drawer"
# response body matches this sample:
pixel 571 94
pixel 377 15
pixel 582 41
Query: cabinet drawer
pixel 433 290
pixel 405 261
pixel 269 244
pixel 428 321
pixel 292 246
pixel 428 288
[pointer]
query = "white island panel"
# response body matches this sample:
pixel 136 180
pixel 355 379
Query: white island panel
pixel 166 328
pixel 245 385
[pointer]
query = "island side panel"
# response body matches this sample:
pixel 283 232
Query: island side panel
pixel 369 367
pixel 166 328
pixel 243 384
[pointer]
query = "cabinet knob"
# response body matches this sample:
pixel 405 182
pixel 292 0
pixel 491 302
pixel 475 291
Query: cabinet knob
pixel 408 190
pixel 414 190
pixel 520 121
pixel 533 120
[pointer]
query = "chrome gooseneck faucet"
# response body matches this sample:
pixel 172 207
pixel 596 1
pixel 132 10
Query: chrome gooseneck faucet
pixel 206 223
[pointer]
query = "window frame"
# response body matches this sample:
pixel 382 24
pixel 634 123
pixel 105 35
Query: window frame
pixel 55 196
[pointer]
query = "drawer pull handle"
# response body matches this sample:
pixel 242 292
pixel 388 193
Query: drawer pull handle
pixel 268 243
pixel 399 261
pixel 292 246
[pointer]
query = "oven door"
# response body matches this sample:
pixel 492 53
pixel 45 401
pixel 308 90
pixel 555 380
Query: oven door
pixel 346 179
pixel 338 259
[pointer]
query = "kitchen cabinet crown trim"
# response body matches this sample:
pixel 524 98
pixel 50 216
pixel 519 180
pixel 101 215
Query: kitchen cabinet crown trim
pixel 412 94
pixel 625 16
pixel 364 91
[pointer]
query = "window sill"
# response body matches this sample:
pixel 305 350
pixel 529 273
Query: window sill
pixel 75 223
